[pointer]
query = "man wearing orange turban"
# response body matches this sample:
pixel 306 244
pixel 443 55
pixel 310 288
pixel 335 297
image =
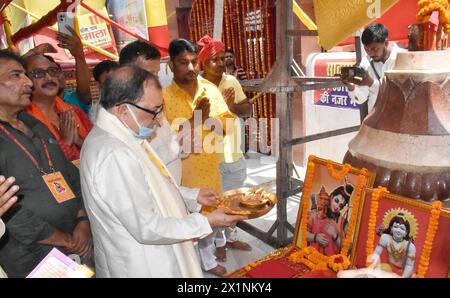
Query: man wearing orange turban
pixel 209 48
pixel 233 168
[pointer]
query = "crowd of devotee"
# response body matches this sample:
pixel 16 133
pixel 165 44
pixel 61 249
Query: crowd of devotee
pixel 118 180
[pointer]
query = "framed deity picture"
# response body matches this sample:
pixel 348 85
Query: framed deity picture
pixel 403 236
pixel 330 206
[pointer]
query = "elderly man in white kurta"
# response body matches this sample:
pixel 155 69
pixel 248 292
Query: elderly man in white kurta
pixel 140 223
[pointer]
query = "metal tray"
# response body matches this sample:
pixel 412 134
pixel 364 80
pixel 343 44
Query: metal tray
pixel 233 204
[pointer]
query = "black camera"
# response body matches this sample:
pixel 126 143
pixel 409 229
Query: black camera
pixel 353 71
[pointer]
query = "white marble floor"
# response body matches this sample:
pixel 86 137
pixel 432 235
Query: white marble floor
pixel 260 169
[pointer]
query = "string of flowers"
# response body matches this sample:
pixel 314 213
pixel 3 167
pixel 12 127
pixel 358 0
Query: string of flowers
pixel 244 28
pixel 271 97
pixel 353 217
pixel 227 24
pixel 431 233
pixel 230 9
pixel 205 19
pixel 307 188
pixel 268 41
pixel 198 20
pixel 310 257
pixel 255 41
pixel 427 7
pixel 211 9
pixel 340 175
pixel 338 262
pixel 373 220
pixel 249 40
pixel 241 52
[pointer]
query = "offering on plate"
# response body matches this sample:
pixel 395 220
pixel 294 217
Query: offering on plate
pixel 255 199
pixel 251 202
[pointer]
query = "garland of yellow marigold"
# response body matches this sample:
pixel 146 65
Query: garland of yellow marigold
pixel 307 187
pixel 340 175
pixel 426 8
pixel 431 233
pixel 308 255
pixel 373 221
pixel 353 217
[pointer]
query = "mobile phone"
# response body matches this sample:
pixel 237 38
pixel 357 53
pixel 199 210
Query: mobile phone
pixel 353 71
pixel 65 18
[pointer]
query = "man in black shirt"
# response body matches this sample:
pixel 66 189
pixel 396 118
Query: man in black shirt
pixel 45 216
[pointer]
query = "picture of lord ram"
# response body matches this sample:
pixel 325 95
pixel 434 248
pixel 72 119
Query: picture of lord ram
pixel 328 219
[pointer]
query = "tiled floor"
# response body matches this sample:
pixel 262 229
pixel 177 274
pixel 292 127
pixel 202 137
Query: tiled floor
pixel 260 169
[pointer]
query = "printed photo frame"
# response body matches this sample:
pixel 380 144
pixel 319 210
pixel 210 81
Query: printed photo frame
pixel 403 236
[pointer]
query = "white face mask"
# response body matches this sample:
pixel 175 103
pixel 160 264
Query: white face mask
pixel 144 132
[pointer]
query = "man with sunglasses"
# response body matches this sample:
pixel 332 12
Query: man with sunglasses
pixel 81 97
pixel 69 124
pixel 140 223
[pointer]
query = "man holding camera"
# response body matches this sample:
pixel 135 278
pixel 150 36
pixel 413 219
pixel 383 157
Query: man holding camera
pixel 381 56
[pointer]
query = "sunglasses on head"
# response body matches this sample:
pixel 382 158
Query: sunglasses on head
pixel 39 73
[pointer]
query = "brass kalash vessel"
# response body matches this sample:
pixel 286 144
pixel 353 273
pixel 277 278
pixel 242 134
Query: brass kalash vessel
pixel 405 139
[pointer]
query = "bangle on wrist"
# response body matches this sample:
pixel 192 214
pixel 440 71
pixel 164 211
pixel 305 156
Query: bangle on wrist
pixel 336 238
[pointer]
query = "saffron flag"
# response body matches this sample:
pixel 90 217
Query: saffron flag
pixel 336 20
pixel 158 30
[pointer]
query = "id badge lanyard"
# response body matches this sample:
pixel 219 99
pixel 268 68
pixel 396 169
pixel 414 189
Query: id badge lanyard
pixel 55 181
pixel 31 157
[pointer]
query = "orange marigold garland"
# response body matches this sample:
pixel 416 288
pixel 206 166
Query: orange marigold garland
pixel 431 233
pixel 238 16
pixel 338 262
pixel 373 221
pixel 353 217
pixel 340 175
pixel 307 187
pixel 427 7
pixel 255 41
pixel 308 255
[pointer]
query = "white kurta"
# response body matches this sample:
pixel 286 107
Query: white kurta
pixel 166 145
pixel 363 93
pixel 139 221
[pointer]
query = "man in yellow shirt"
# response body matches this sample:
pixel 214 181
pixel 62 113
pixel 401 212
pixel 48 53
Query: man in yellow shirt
pixel 187 93
pixel 233 168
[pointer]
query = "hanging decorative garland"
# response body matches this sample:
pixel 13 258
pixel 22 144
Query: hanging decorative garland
pixel 253 44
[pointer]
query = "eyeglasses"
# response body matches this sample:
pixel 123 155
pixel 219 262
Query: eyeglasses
pixel 39 73
pixel 154 113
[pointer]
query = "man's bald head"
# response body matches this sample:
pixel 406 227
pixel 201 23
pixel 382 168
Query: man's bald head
pixel 126 84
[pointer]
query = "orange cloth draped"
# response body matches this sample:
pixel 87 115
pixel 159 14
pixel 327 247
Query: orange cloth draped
pixel 209 47
pixel 61 106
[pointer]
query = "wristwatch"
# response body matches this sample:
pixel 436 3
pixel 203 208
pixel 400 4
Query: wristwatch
pixel 81 218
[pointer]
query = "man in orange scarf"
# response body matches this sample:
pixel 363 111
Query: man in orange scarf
pixel 69 124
